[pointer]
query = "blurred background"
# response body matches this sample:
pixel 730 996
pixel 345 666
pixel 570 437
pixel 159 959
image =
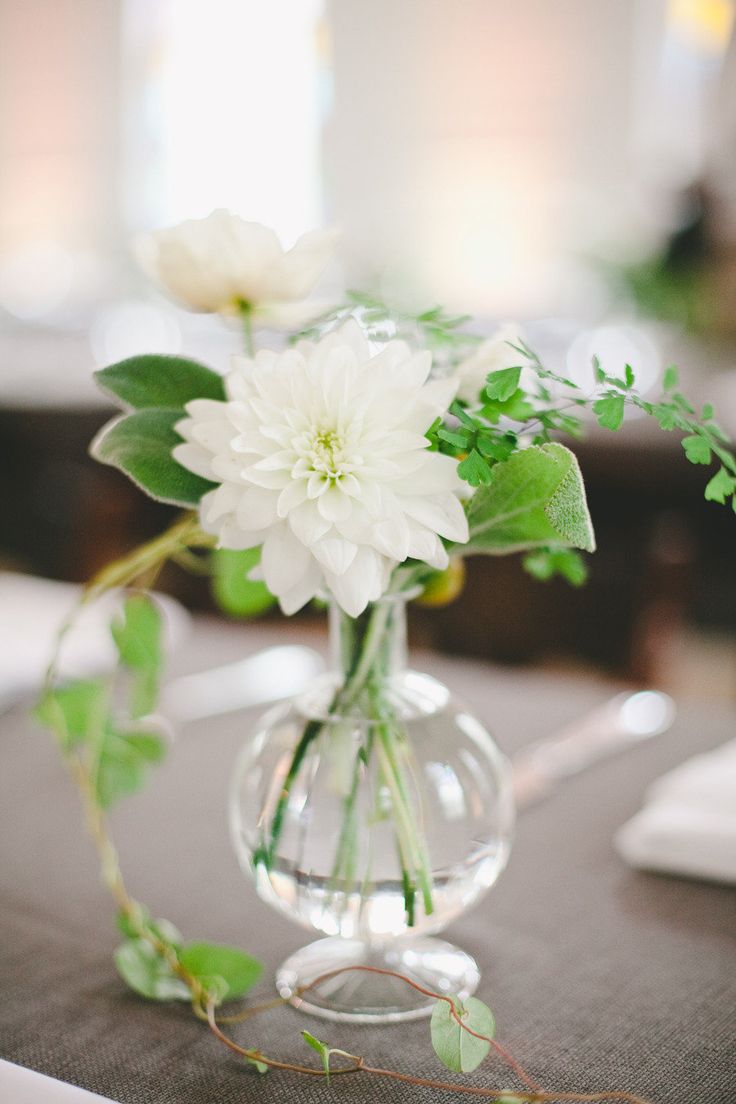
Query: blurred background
pixel 570 165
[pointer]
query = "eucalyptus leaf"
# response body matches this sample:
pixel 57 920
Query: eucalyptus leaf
pixel 534 499
pixel 124 761
pixel 148 973
pixel 162 929
pixel 234 592
pixel 456 1048
pixel 253 1060
pixel 148 381
pixel 140 445
pixel 137 636
pixel 239 971
pixel 322 1049
pixel 74 712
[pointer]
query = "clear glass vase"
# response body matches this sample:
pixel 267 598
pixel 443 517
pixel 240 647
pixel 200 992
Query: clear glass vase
pixel 374 809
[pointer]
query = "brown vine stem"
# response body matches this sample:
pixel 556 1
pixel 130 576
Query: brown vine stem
pixel 360 1066
pixel 500 1050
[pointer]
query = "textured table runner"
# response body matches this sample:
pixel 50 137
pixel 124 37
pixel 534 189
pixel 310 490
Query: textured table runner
pixel 600 977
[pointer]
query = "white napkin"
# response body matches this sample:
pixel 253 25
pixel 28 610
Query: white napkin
pixel 22 1086
pixel 32 611
pixel 688 823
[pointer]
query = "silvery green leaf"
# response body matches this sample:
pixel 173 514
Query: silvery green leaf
pixel 159 381
pixel 140 445
pixel 534 499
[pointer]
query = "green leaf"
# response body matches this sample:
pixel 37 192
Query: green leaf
pixel 457 1049
pixel 459 438
pixel 140 445
pixel 206 960
pixel 697 449
pixel 545 563
pixel 517 408
pixel 600 375
pixel 148 381
pixel 124 761
pixel 137 636
pixel 610 411
pixel 73 712
pixel 253 1060
pixel 720 487
pixel 137 633
pixel 474 469
pixel 496 447
pixel 162 929
pixel 148 973
pixel 234 592
pixel 666 415
pixel 671 378
pixel 629 377
pixel 322 1049
pixel 534 499
pixel 502 384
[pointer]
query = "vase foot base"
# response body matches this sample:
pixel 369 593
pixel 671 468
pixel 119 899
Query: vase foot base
pixel 361 996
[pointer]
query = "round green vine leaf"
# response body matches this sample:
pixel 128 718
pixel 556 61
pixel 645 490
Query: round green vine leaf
pixel 147 973
pixel 456 1048
pixel 206 961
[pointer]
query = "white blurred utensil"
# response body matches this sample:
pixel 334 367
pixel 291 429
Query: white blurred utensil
pixel 266 677
pixel 623 721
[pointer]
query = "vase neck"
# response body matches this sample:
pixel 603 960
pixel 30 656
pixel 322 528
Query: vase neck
pixel 372 645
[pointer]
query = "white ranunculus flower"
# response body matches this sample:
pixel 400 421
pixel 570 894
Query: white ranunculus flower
pixel 491 355
pixel 217 263
pixel 321 458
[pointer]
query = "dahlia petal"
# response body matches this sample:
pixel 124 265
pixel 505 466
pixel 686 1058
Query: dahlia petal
pixel 335 554
pixel 360 584
pixel 284 559
pixel 231 536
pixel 391 537
pixel 256 508
pixel 426 546
pixel 307 523
pixel 292 495
pixel 303 591
pixel 443 514
pixel 216 504
pixel 334 505
pixel 195 459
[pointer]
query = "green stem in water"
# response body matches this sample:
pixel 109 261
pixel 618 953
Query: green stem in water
pixel 345 697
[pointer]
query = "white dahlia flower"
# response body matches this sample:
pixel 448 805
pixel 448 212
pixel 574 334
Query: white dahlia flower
pixel 218 263
pixel 491 355
pixel 322 459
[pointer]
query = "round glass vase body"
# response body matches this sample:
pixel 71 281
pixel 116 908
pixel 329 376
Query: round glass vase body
pixel 374 809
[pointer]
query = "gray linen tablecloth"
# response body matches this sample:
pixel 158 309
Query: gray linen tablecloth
pixel 599 977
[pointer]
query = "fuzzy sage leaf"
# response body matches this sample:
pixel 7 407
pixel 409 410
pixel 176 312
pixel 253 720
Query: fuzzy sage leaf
pixel 140 445
pixel 534 499
pixel 143 382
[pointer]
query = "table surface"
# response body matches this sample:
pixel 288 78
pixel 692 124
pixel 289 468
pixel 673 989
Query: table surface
pixel 599 976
